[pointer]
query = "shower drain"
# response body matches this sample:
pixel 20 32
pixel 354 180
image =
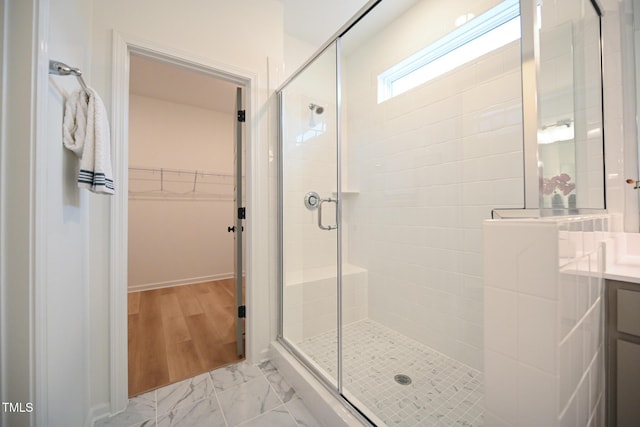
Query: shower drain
pixel 402 379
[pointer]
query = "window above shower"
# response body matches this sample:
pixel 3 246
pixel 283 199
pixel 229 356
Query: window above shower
pixel 472 38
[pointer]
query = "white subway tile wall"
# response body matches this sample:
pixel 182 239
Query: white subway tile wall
pixel 544 361
pixel 310 306
pixel 309 164
pixel 429 166
pixel 422 170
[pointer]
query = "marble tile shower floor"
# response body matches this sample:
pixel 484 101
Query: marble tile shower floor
pixel 443 392
pixel 237 395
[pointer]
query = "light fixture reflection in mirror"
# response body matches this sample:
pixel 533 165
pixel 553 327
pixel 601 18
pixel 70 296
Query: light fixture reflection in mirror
pixel 563 130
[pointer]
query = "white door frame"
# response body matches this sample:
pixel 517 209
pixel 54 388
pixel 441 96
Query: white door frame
pixel 123 46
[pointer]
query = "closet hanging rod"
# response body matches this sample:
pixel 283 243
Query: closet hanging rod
pixel 180 171
pixel 61 69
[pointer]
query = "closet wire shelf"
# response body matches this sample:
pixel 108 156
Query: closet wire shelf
pixel 179 184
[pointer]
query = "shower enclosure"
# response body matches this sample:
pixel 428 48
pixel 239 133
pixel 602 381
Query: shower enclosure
pixel 397 140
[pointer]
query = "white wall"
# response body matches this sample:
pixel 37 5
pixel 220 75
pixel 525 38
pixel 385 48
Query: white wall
pixel 16 183
pixel 429 165
pixel 171 135
pixel 67 213
pixel 620 115
pixel 45 219
pixel 175 239
pixel 308 25
pixel 296 53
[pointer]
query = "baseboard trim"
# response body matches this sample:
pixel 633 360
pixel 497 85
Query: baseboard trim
pixel 179 282
pixel 96 413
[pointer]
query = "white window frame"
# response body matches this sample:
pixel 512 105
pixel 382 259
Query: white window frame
pixel 487 32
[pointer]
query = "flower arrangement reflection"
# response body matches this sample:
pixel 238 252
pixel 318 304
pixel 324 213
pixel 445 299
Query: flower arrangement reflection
pixel 557 187
pixel 558 183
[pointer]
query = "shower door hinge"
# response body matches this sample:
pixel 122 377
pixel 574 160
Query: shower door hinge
pixel 241 115
pixel 242 213
pixel 242 312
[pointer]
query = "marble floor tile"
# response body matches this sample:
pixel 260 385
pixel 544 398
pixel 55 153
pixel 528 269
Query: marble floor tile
pixel 141 411
pixel 203 413
pixel 117 423
pixel 244 394
pixel 277 417
pixel 186 392
pixel 245 401
pixel 233 375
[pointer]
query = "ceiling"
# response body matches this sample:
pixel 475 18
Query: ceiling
pixel 315 21
pixel 172 83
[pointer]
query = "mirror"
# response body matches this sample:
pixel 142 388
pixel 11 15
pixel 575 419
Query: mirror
pixel 570 139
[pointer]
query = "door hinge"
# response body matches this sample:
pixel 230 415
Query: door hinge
pixel 242 311
pixel 241 115
pixel 242 213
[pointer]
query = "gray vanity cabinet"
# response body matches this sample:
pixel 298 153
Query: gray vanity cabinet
pixel 623 354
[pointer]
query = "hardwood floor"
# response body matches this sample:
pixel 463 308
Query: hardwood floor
pixel 176 333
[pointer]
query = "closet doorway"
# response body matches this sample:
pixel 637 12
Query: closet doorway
pixel 185 211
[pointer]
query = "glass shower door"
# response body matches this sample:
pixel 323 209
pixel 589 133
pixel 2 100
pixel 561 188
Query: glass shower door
pixel 309 221
pixel 431 142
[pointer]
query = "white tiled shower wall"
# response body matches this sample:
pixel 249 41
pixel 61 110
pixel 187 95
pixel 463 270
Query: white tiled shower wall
pixel 544 360
pixel 424 169
pixel 310 253
pixel 310 305
pixel 427 168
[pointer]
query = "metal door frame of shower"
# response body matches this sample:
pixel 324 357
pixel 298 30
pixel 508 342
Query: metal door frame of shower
pixel 339 323
pixel 334 389
pixel 532 185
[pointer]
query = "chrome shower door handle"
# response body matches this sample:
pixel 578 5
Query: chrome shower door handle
pixel 325 227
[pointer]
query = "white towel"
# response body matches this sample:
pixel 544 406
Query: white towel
pixel 86 133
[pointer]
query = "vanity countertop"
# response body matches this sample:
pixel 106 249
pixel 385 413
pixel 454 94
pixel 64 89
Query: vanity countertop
pixel 625 270
pixel 623 258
